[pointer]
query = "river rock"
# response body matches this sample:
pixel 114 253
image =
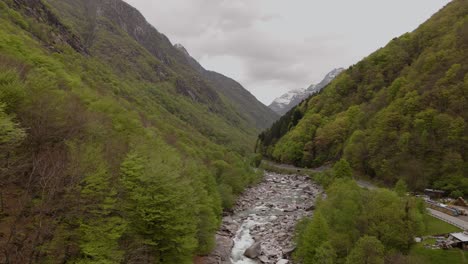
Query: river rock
pixel 221 254
pixel 267 212
pixel 264 259
pixel 253 251
pixel 288 251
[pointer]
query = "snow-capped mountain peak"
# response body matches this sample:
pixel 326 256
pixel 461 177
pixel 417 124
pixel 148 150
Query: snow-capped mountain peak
pixel 287 101
pixel 286 98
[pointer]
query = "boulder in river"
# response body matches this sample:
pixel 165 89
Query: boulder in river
pixel 253 251
pixel 287 252
pixel 267 212
pixel 264 259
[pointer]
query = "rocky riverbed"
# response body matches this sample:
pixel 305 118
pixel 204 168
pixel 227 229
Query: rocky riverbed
pixel 261 228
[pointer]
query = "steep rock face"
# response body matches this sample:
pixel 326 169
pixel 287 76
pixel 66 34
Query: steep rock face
pixel 118 19
pixel 110 21
pixel 37 10
pixel 287 101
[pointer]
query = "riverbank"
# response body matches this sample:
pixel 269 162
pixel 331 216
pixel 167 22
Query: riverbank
pixel 264 219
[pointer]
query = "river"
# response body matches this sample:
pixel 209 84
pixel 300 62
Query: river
pixel 265 217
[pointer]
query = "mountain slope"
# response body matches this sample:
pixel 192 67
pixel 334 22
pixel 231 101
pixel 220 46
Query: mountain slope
pixel 112 149
pixel 289 100
pixel 242 99
pixel 399 113
pixel 195 82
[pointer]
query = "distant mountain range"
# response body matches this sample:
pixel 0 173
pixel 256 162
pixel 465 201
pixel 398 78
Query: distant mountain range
pixel 287 101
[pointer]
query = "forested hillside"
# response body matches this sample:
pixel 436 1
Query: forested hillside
pixel 107 25
pixel 399 113
pixel 354 225
pixel 112 149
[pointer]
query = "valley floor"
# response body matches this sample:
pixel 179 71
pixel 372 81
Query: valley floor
pixel 264 220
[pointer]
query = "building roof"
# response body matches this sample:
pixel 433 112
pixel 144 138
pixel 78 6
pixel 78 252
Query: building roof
pixel 463 237
pixel 434 191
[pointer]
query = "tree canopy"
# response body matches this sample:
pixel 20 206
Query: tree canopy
pixel 400 113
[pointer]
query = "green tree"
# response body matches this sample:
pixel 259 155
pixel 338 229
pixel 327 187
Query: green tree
pixel 455 194
pixel 12 90
pixel 160 204
pixel 315 234
pixel 100 228
pixel 342 169
pixel 401 188
pixel 325 254
pixel 10 132
pixel 208 204
pixel 356 151
pixel 368 250
pixel 394 220
pixel 343 210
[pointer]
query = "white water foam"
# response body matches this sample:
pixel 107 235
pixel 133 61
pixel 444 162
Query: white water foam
pixel 243 241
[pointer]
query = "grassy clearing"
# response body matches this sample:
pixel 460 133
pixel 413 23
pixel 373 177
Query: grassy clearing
pixel 422 254
pixel 435 226
pixel 437 256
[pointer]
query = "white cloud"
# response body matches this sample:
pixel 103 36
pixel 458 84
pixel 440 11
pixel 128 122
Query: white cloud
pixel 272 46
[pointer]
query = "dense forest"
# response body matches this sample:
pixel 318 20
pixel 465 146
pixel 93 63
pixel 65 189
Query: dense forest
pixel 113 148
pixel 354 225
pixel 400 113
pixel 118 147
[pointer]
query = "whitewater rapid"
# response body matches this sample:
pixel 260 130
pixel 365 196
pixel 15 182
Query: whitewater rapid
pixel 267 213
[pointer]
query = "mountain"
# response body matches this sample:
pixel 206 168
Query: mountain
pixel 114 146
pixel 287 101
pixel 400 113
pixel 243 100
pixel 174 57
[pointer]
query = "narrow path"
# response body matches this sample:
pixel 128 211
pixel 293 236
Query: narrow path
pixel 365 184
pixel 295 169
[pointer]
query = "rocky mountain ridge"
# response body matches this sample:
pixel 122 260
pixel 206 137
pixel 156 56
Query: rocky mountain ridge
pixel 118 19
pixel 287 101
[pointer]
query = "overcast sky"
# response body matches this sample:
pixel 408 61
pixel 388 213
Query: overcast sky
pixel 272 46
